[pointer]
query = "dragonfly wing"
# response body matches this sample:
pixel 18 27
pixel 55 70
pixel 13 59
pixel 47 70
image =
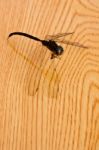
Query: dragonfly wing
pixel 59 35
pixel 71 43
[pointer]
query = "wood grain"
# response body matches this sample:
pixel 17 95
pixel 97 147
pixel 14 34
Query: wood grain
pixel 63 113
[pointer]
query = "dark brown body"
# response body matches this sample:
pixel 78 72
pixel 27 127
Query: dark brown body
pixel 50 44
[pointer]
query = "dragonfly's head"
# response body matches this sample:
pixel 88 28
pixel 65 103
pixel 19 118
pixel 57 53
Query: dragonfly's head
pixel 60 50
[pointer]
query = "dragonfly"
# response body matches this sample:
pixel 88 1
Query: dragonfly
pixel 50 42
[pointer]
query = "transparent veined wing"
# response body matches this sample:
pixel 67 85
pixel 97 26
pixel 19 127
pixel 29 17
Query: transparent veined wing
pixel 59 35
pixel 70 43
pixel 39 76
pixel 57 38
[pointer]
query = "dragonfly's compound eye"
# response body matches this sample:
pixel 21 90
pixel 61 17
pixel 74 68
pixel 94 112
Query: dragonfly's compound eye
pixel 60 50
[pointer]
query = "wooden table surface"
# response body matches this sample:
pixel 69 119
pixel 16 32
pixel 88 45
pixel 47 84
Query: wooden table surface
pixel 49 104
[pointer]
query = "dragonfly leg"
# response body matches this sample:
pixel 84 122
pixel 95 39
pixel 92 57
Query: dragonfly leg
pixel 54 56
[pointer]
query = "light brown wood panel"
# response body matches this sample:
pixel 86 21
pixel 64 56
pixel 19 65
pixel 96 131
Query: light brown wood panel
pixel 49 104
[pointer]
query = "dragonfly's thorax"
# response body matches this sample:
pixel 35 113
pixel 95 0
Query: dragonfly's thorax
pixel 53 46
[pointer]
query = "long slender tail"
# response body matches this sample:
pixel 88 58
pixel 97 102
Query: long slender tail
pixel 24 34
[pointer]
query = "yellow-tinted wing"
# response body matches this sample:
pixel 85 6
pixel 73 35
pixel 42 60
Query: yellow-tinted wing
pixel 56 36
pixel 70 43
